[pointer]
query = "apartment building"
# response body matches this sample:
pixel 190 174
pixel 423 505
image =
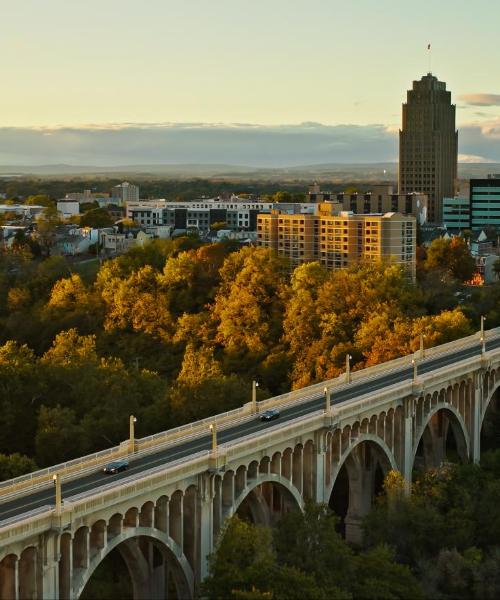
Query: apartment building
pixel 338 239
pixel 237 214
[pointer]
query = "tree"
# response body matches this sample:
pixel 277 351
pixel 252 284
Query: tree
pixel 380 577
pixel 14 465
pixel 57 435
pixel 496 268
pixel 243 561
pixel 46 228
pixel 204 398
pixel 309 541
pixel 137 304
pixel 69 293
pixel 451 257
pixel 96 218
pixel 249 305
pixel 302 323
pixel 190 279
pixel 39 200
pixel 282 197
pixel 21 385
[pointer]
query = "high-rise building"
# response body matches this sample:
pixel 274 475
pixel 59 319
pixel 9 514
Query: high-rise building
pixel 338 239
pixel 428 144
pixel 126 192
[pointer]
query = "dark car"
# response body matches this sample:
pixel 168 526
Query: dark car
pixel 270 414
pixel 115 467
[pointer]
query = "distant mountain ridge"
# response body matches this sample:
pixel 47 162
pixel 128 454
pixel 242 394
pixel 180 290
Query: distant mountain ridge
pixel 352 172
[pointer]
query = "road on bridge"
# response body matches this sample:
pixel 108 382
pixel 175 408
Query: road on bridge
pixel 33 500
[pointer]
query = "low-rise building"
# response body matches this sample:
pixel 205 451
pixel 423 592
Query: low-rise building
pixel 68 208
pixel 24 210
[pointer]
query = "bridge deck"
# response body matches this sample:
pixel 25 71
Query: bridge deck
pixel 30 500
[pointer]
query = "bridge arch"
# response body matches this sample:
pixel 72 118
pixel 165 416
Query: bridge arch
pixel 491 385
pixel 356 479
pixel 384 450
pixel 136 563
pixel 261 501
pixel 433 433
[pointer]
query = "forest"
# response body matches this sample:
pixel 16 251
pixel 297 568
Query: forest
pixel 177 330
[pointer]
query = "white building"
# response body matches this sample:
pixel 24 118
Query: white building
pixel 68 208
pixel 126 191
pixel 239 214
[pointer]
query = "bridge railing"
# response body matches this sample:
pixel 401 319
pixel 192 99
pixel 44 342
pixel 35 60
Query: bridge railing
pixel 375 370
pixel 149 444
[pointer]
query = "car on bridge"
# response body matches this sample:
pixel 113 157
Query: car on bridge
pixel 116 467
pixel 270 414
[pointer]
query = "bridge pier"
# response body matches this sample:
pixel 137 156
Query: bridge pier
pixel 477 403
pixel 407 442
pixel 9 578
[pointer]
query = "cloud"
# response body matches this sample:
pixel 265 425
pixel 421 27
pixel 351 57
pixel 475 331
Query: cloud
pixel 198 143
pixel 481 99
pixel 473 158
pixel 238 144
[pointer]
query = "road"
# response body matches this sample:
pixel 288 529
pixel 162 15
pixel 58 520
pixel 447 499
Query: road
pixel 34 500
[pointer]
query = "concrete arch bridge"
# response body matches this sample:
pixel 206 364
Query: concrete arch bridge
pixel 166 513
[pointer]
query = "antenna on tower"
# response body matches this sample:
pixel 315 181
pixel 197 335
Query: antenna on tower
pixel 430 56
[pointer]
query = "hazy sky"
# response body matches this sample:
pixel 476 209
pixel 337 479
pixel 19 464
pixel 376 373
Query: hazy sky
pixel 267 62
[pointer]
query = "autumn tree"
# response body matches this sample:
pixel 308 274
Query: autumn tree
pixel 249 303
pixel 451 257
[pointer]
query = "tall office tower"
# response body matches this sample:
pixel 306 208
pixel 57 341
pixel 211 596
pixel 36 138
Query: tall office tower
pixel 428 144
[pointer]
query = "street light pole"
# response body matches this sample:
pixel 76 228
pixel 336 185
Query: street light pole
pixel 57 483
pixel 255 385
pixel 414 364
pixel 131 443
pixel 348 368
pixel 327 399
pixel 483 337
pixel 213 429
pixel 422 349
